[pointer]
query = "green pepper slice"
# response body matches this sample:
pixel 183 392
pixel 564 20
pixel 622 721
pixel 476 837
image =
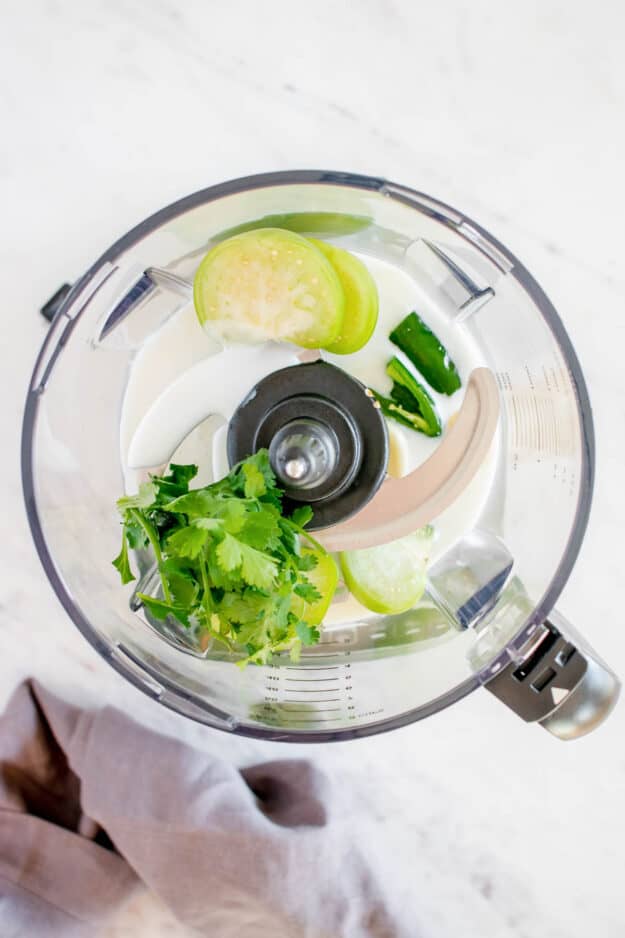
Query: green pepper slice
pixel 425 351
pixel 409 403
pixel 396 412
pixel 411 396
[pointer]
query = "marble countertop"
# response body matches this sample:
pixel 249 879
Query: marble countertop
pixel 514 114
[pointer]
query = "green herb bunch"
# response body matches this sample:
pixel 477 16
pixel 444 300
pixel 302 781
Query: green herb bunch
pixel 230 562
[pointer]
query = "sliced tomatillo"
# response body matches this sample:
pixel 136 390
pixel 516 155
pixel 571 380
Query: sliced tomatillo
pixel 270 284
pixel 361 299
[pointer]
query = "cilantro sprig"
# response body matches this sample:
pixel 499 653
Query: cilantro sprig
pixel 230 562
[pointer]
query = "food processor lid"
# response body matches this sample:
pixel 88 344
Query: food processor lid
pixel 482 396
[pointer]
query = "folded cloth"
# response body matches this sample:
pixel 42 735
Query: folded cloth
pixel 92 805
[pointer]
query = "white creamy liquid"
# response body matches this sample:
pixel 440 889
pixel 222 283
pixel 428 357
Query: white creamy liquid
pixel 182 375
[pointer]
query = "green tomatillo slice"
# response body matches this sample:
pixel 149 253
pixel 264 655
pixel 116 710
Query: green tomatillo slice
pixel 270 284
pixel 361 299
pixel 389 578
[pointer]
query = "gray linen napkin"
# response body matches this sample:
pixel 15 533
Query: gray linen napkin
pixel 92 804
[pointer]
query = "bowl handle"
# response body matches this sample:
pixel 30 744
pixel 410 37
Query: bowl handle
pixel 557 680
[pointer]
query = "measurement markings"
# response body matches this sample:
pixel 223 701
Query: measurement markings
pixel 307 700
pixel 330 667
pixel 311 680
pixel 309 690
pixel 328 720
pixel 516 421
pixel 284 709
pixel 540 442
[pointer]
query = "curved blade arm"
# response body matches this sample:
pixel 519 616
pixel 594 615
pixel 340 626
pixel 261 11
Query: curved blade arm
pixel 407 504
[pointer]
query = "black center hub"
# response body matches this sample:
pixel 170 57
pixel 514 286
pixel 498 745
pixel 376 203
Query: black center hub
pixel 327 441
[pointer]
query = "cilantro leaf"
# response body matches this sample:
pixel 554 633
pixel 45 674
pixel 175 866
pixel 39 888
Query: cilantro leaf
pixel 281 613
pixel 208 524
pixel 161 609
pixel 143 499
pixel 254 481
pixel 307 561
pixel 183 586
pixel 261 528
pixel 180 475
pixel 232 513
pixel 289 538
pixel 260 656
pixel 196 504
pixel 243 608
pixel 175 483
pixel 307 591
pixel 136 535
pixel 257 569
pixel 302 515
pixel 260 461
pixel 187 542
pixel 307 634
pixel 229 555
pixel 219 578
pixel 122 563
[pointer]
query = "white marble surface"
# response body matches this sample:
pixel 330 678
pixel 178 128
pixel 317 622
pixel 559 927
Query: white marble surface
pixel 514 113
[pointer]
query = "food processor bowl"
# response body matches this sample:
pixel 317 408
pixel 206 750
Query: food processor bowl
pixel 487 617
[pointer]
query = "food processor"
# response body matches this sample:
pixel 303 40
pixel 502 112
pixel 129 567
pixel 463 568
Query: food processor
pixel 507 487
